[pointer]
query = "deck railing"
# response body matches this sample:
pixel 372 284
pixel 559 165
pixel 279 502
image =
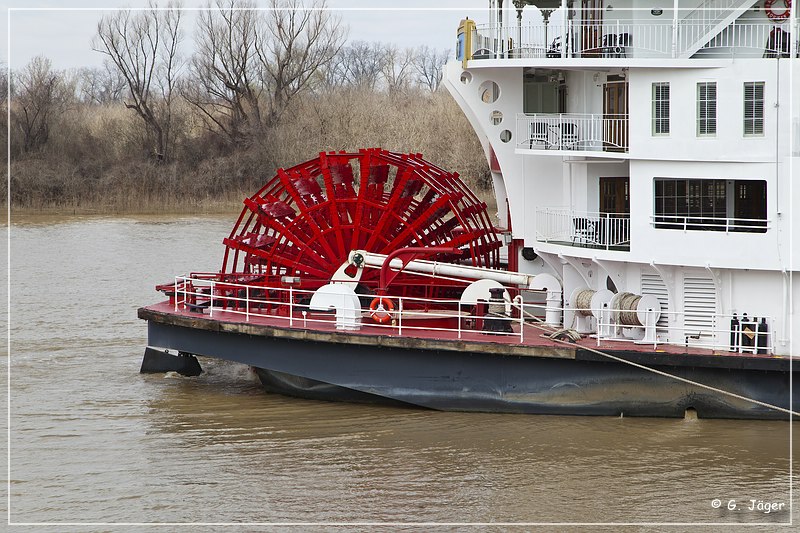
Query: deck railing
pixel 583 229
pixel 701 223
pixel 753 336
pixel 711 12
pixel 289 306
pixel 572 131
pixel 620 40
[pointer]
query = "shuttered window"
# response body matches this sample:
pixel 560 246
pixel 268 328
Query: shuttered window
pixel 707 108
pixel 661 108
pixel 754 108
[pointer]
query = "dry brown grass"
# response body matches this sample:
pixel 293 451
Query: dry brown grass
pixel 96 160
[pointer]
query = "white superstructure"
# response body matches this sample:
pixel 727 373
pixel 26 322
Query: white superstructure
pixel 647 147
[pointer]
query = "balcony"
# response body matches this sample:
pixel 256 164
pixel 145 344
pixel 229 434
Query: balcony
pixel 606 231
pixel 572 131
pixel 627 40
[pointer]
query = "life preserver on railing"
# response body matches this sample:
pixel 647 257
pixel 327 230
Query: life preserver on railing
pixel 381 310
pixel 780 16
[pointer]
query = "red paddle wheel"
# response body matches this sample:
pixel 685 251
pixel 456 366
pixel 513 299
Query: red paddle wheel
pixel 304 222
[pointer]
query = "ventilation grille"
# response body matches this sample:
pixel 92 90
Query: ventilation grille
pixel 653 285
pixel 700 305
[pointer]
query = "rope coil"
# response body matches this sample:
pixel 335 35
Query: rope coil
pixel 625 308
pixel 583 302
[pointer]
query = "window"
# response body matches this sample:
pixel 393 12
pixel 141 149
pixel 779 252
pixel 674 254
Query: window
pixel 661 108
pixel 754 108
pixel 711 204
pixel 706 108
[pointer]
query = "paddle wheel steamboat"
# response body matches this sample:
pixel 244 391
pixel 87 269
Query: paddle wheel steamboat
pixel 661 284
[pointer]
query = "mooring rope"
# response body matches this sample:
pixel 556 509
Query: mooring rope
pixel 572 334
pixel 689 381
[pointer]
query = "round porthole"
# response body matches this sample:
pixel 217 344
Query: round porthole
pixel 489 92
pixel 505 136
pixel 496 117
pixel 466 77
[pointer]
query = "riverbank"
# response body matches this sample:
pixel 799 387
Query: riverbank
pixel 228 204
pixel 95 161
pixel 201 208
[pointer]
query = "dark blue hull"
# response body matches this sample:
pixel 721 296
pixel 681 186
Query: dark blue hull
pixel 334 367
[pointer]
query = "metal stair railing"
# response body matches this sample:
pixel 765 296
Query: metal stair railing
pixel 704 22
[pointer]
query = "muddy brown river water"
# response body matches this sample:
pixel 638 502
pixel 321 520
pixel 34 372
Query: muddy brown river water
pixel 94 442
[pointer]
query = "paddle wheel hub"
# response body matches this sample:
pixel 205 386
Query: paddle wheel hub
pixel 299 228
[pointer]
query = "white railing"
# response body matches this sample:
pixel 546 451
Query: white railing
pixel 584 229
pixel 512 41
pixel 712 12
pixel 232 301
pixel 572 131
pixel 701 223
pixel 769 40
pixel 756 335
pixel 286 304
pixel 619 40
pixel 613 39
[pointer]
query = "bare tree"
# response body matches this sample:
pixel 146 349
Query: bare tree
pixel 4 90
pixel 429 65
pixel 40 96
pixel 362 64
pixel 249 66
pixel 224 84
pixel 143 45
pixel 101 85
pixel 397 68
pixel 298 42
pixel 3 83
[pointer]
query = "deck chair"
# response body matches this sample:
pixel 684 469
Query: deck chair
pixel 569 136
pixel 537 133
pixel 584 231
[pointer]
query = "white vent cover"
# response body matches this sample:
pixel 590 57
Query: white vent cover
pixel 699 306
pixel 653 285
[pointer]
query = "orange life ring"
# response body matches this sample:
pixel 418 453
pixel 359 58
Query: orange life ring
pixel 381 310
pixel 777 17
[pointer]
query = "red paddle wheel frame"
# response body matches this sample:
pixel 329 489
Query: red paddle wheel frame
pixel 305 221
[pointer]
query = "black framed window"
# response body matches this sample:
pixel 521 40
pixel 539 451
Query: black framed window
pixel 710 204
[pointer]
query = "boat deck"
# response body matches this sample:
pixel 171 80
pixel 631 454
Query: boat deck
pixel 534 340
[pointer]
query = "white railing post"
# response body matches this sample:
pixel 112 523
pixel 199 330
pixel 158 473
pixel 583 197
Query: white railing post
pixel 291 307
pixel 518 300
pixel 459 320
pixel 247 302
pixel 211 300
pixel 400 316
pixel 675 30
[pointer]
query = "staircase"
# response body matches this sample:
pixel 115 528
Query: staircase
pixel 706 22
